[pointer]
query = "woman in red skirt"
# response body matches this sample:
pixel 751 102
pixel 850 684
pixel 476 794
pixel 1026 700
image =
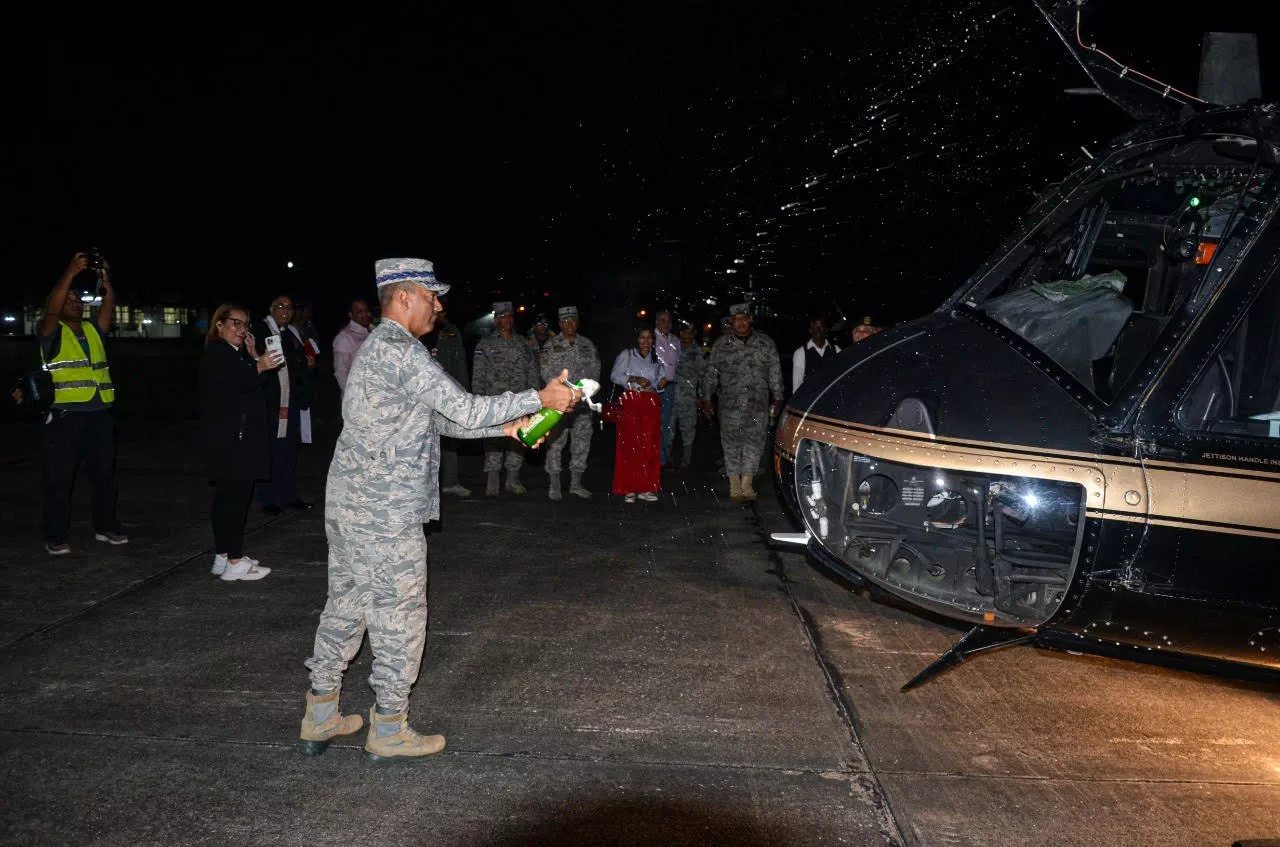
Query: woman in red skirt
pixel 638 456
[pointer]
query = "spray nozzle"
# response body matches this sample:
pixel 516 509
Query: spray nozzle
pixel 589 389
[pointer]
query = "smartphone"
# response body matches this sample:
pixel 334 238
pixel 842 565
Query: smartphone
pixel 273 348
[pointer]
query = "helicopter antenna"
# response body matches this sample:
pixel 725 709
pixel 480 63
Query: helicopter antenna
pixel 1125 71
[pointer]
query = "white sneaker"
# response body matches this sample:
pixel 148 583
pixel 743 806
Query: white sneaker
pixel 649 497
pixel 630 498
pixel 246 569
pixel 457 490
pixel 220 563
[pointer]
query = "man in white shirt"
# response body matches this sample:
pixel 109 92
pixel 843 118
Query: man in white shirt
pixel 350 339
pixel 666 345
pixel 807 359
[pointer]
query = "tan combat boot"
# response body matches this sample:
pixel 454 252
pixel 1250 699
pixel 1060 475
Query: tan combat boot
pixel 513 482
pixel 735 487
pixel 391 738
pixel 324 722
pixel 748 492
pixel 491 487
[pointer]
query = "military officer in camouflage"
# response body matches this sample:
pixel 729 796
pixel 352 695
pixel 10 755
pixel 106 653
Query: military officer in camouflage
pixel 575 353
pixel 382 487
pixel 689 370
pixel 743 369
pixel 503 362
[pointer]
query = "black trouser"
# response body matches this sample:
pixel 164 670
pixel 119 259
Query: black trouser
pixel 67 437
pixel 282 490
pixel 230 505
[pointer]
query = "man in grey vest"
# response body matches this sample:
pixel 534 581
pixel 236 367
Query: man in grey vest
pixel 382 486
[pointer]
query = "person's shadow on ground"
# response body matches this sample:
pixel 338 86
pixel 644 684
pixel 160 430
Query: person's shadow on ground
pixel 671 823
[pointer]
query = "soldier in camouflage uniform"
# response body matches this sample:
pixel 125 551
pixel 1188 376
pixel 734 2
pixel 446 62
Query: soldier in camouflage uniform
pixel 579 356
pixel 744 371
pixel 445 343
pixel 689 371
pixel 382 487
pixel 503 362
pixel 539 335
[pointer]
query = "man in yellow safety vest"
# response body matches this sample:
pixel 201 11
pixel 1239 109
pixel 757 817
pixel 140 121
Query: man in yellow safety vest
pixel 79 424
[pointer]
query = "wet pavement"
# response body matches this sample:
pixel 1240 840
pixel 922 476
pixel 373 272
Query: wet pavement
pixel 605 673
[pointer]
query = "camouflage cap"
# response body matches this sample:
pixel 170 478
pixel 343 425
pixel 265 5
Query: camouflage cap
pixel 740 309
pixel 502 308
pixel 567 312
pixel 421 271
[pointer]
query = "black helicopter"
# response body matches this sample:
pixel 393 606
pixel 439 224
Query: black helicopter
pixel 1080 448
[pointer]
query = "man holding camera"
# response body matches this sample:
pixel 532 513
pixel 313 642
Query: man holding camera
pixel 79 423
pixel 288 394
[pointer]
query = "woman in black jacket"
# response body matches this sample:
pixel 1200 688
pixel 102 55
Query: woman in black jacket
pixel 233 422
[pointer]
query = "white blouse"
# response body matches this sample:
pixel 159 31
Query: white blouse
pixel 631 363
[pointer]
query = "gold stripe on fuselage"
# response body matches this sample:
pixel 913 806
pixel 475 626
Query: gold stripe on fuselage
pixel 1189 496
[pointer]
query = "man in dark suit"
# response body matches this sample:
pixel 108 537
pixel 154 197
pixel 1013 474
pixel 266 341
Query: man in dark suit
pixel 286 396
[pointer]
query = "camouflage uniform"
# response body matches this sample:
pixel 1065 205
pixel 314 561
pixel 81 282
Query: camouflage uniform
pixel 689 373
pixel 445 343
pixel 503 364
pixel 583 361
pixel 537 347
pixel 743 371
pixel 381 489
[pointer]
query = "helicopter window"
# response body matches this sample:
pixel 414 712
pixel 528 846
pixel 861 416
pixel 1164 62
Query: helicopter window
pixel 1101 285
pixel 1238 392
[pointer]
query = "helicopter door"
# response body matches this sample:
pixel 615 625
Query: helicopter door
pixel 1210 441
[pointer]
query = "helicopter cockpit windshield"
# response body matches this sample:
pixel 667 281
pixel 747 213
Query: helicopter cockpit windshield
pixel 1094 283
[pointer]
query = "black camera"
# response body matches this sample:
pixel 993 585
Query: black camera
pixel 96 262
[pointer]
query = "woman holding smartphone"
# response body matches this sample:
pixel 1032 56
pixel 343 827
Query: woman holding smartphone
pixel 233 423
pixel 638 455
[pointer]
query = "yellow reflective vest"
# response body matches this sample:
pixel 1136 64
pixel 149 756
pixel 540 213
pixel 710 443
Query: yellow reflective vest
pixel 75 378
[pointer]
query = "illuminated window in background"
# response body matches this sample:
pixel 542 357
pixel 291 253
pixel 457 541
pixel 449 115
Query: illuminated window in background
pixel 172 316
pixel 124 316
pixel 86 312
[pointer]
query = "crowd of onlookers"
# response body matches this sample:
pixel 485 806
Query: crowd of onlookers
pixel 258 379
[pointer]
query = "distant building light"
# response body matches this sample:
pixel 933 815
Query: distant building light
pixel 288 264
pixel 731 270
pixel 86 298
pixel 711 301
pixel 10 319
pixel 520 308
pixel 739 261
pixel 146 320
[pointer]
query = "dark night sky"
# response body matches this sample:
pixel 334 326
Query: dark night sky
pixel 861 159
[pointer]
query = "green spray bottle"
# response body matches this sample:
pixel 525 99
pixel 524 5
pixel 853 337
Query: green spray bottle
pixel 543 420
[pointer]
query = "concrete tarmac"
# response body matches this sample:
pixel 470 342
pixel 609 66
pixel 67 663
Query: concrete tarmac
pixel 606 673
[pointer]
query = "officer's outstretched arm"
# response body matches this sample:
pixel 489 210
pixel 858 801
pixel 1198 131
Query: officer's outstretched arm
pixel 430 385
